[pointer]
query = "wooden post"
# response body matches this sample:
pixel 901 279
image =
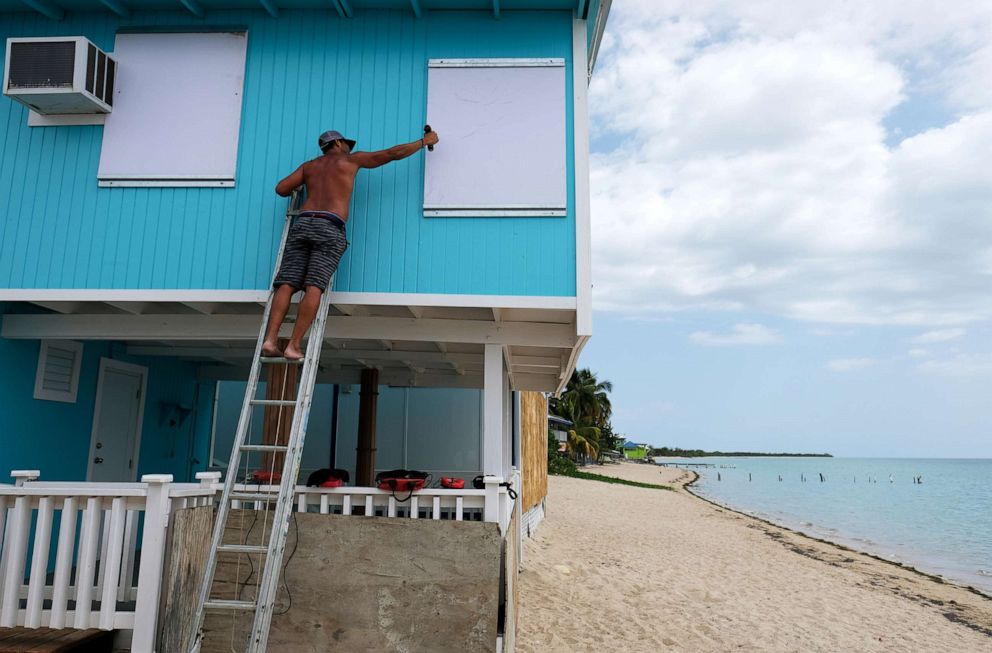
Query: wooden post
pixel 368 399
pixel 280 383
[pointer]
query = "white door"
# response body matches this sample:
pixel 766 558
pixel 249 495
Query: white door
pixel 120 400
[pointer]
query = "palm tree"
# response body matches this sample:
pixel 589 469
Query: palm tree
pixel 586 400
pixel 583 437
pixel 584 441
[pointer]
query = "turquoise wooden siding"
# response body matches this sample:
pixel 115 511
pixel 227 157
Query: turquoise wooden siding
pixel 54 437
pixel 307 71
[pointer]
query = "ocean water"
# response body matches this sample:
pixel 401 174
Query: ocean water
pixel 942 525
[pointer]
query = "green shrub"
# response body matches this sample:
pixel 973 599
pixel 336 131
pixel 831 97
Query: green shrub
pixel 560 465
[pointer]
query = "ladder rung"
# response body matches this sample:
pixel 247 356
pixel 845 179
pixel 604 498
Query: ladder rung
pixel 273 402
pixel 219 604
pixel 281 360
pixel 264 447
pixel 254 496
pixel 242 548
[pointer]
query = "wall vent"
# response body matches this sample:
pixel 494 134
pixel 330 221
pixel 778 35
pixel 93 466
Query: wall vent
pixel 59 75
pixel 57 378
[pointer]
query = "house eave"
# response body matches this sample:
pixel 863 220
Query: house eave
pixel 413 339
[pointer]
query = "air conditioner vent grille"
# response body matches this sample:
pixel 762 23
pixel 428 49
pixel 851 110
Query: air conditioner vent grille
pixel 108 93
pixel 90 66
pixel 101 69
pixel 42 64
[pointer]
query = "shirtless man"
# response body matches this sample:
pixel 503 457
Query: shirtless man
pixel 317 238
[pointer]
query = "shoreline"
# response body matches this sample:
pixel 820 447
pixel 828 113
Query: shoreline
pixel 619 567
pixel 937 578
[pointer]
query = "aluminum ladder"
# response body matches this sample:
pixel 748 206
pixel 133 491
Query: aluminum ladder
pixel 263 495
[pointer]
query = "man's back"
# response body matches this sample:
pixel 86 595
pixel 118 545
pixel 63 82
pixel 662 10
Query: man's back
pixel 330 180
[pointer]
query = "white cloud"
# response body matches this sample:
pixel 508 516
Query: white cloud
pixel 742 334
pixel 959 365
pixel 940 335
pixel 831 332
pixel 918 353
pixel 850 364
pixel 754 168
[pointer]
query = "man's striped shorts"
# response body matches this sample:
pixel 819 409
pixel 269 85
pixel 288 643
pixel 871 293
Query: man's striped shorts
pixel 314 247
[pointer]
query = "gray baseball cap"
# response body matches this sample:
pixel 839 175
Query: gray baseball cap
pixel 329 137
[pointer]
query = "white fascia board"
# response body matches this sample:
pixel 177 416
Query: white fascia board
pixel 583 219
pixel 573 360
pixel 256 296
pixel 453 301
pixel 245 328
pixel 597 32
pixel 130 295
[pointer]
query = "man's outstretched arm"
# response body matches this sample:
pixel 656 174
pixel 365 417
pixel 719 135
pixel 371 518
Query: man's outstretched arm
pixel 395 153
pixel 286 187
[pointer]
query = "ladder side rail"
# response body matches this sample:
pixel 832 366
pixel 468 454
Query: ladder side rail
pixel 244 423
pixel 269 583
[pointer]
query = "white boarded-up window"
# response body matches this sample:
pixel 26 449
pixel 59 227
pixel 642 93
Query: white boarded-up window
pixel 502 129
pixel 177 110
pixel 57 377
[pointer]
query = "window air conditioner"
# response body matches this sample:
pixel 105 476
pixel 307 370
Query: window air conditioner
pixel 59 75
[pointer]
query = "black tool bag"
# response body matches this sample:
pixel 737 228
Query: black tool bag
pixel 321 476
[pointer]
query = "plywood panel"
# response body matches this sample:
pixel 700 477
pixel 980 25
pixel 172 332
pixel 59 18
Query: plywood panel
pixel 534 447
pixel 483 107
pixel 177 107
pixel 187 557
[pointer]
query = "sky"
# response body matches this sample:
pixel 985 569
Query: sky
pixel 792 225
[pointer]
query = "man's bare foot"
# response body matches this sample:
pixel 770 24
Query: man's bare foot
pixel 271 350
pixel 293 353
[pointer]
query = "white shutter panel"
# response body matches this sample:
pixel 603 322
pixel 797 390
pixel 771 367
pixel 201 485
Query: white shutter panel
pixel 57 378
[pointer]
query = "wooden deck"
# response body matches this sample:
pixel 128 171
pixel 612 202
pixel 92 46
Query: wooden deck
pixel 46 640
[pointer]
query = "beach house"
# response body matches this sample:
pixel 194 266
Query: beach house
pixel 140 141
pixel 635 451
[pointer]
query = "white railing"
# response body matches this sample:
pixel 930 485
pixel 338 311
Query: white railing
pixel 90 555
pixel 98 546
pixel 469 504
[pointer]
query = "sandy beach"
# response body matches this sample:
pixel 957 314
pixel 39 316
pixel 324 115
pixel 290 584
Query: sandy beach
pixel 619 568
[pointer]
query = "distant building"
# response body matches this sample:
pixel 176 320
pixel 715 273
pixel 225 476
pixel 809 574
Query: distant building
pixel 558 426
pixel 634 451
